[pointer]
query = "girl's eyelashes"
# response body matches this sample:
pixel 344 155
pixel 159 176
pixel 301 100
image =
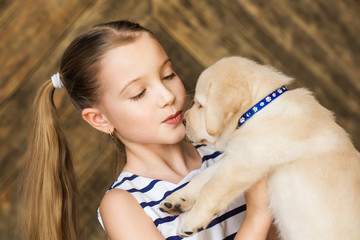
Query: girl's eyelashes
pixel 171 76
pixel 139 96
pixel 142 93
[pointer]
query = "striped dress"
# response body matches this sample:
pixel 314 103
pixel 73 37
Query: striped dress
pixel 150 192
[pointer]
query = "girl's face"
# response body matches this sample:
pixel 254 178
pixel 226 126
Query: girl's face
pixel 143 98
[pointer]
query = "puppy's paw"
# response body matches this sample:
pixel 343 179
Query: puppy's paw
pixel 190 224
pixel 177 203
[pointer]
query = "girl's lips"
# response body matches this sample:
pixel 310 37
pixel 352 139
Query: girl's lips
pixel 174 119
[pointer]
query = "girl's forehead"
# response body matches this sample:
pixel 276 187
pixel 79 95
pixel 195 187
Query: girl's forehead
pixel 132 60
pixel 141 50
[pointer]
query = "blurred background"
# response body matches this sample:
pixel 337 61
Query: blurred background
pixel 315 41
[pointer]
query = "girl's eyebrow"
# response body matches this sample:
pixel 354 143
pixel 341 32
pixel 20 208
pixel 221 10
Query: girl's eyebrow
pixel 165 62
pixel 128 84
pixel 136 79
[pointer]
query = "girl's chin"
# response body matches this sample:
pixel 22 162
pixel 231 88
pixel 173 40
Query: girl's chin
pixel 178 138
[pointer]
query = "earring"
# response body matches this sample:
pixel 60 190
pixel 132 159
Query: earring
pixel 111 133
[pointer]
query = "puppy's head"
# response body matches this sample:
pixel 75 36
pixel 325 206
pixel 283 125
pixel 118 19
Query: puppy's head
pixel 230 86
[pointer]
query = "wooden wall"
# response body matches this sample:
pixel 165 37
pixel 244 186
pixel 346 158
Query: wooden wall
pixel 315 41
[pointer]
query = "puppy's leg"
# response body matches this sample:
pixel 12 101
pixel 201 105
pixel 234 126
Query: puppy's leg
pixel 217 194
pixel 183 199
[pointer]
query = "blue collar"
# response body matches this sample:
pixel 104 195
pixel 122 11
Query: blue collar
pixel 260 105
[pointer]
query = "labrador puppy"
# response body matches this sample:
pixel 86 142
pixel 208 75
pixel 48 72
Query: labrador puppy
pixel 246 111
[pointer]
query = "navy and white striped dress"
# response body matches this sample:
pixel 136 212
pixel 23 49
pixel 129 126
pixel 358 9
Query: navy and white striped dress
pixel 150 192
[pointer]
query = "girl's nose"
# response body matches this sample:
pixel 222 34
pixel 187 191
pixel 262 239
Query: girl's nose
pixel 166 97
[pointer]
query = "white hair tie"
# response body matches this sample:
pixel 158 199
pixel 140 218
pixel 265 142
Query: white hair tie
pixel 56 81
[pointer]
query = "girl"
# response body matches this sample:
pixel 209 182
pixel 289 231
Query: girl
pixel 120 78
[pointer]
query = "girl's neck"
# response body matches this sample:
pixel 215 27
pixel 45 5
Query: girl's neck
pixel 164 162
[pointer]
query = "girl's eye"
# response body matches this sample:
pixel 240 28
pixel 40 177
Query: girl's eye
pixel 139 96
pixel 169 77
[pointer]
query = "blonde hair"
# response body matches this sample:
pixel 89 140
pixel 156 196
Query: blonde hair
pixel 49 186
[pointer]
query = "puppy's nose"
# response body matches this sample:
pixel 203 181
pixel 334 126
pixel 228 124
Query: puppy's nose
pixel 184 121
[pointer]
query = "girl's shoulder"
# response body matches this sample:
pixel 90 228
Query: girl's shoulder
pixel 114 196
pixel 122 214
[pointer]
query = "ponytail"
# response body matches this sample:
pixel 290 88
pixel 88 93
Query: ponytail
pixel 49 187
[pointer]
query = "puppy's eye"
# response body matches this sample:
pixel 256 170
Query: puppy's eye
pixel 199 106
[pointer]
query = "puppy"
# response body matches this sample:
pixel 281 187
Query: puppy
pixel 313 167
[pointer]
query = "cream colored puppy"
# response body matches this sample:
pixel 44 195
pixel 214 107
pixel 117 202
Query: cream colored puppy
pixel 313 168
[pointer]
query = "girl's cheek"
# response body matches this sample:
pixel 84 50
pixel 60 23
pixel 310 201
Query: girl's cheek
pixel 181 89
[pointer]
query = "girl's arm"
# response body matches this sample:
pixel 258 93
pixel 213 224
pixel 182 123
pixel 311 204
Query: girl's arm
pixel 258 218
pixel 124 218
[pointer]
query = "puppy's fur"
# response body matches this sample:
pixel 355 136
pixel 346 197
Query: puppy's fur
pixel 313 168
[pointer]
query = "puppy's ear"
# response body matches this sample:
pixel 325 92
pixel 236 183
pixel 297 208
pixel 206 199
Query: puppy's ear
pixel 224 99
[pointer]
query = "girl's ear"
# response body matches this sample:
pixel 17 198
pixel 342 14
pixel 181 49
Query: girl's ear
pixel 97 119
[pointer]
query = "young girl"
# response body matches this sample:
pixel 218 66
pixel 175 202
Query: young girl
pixel 120 78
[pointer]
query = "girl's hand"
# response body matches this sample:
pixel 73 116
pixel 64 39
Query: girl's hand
pixel 258 216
